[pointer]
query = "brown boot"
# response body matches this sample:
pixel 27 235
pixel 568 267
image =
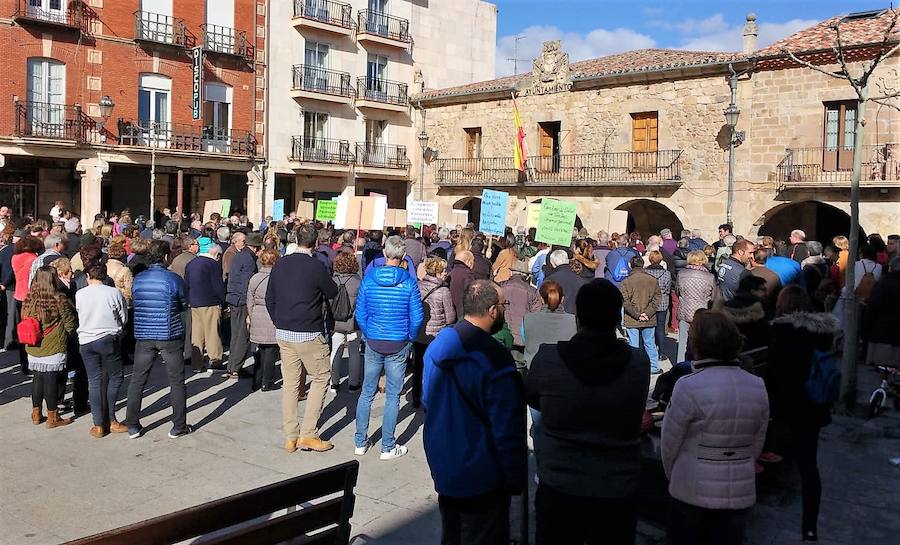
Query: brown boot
pixel 313 443
pixel 37 418
pixel 290 445
pixel 54 421
pixel 117 427
pixel 98 432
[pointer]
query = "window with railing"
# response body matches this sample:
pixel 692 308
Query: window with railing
pixel 321 150
pixel 159 28
pixel 50 120
pixel 382 90
pixel 324 11
pixel 321 80
pixel 879 162
pixel 227 41
pixel 384 25
pixel 381 155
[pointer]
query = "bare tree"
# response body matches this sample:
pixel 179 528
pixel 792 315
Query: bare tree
pixel 859 81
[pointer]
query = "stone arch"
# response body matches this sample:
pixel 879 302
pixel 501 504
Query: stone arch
pixel 472 205
pixel 819 220
pixel 649 217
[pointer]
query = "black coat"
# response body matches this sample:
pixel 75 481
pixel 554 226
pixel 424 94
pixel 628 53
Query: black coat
pixel 881 320
pixel 570 283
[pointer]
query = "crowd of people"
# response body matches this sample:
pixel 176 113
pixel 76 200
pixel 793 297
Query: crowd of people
pixel 477 328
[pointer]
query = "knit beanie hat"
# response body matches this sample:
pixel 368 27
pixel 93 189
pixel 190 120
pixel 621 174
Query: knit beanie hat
pixel 205 244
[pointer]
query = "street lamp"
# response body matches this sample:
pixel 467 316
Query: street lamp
pixel 106 107
pixel 736 138
pixel 732 114
pixel 423 142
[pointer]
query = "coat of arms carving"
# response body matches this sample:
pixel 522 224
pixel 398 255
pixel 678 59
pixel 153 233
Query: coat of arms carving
pixel 550 72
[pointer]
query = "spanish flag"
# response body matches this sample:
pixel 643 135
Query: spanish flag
pixel 521 150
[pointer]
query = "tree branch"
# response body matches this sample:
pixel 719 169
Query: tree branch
pixel 882 54
pixel 883 101
pixel 812 66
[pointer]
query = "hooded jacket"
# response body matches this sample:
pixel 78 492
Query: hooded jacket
pixel 749 316
pixel 389 306
pixel 591 392
pixel 474 445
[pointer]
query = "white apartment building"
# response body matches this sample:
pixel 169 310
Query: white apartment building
pixel 340 74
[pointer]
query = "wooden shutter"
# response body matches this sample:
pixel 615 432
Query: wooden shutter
pixel 645 140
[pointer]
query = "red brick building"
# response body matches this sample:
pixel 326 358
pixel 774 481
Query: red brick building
pixel 98 103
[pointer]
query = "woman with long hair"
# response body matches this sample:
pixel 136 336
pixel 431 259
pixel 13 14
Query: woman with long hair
pixel 501 270
pixel 584 254
pixel 47 359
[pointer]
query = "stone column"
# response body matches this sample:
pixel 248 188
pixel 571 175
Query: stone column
pixel 93 170
pixel 254 184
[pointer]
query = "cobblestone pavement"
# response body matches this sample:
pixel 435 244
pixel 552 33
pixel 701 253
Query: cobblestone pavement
pixel 61 484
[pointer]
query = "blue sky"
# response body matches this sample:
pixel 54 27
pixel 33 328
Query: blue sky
pixel 594 28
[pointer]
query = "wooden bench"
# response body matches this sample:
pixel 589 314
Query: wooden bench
pixel 328 521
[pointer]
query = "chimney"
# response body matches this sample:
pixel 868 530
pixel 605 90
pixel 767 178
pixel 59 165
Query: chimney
pixel 751 32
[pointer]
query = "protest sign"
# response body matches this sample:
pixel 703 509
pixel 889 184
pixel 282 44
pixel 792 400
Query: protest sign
pixel 210 208
pixel 226 207
pixel 556 222
pixel 618 221
pixel 395 218
pixel 494 205
pixel 278 210
pixel 422 212
pixel 326 210
pixel 305 210
pixel 360 212
pixel 459 217
pixel 534 215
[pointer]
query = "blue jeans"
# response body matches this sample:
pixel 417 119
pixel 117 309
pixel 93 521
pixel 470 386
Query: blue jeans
pixel 103 363
pixel 394 366
pixel 646 334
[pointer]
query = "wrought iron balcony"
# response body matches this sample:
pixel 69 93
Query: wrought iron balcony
pixel 382 90
pixel 370 154
pixel 180 136
pixel 227 41
pixel 325 11
pixel 56 121
pixel 321 150
pixel 833 167
pixel 321 80
pixel 161 29
pixel 584 169
pixel 59 13
pixel 384 25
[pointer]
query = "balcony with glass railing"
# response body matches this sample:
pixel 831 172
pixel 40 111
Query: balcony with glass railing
pixel 326 15
pixel 377 27
pixel 184 137
pixel 156 28
pixel 53 121
pixel 226 41
pixel 382 94
pixel 316 83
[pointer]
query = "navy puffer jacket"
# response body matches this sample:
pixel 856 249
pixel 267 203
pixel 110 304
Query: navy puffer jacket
pixel 158 302
pixel 389 306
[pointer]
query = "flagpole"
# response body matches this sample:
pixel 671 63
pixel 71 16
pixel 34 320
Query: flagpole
pixel 529 170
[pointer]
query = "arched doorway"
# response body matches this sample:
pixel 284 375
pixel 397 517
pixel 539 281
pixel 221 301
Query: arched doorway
pixel 820 221
pixel 650 217
pixel 472 205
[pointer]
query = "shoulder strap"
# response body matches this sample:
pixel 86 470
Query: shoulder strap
pixel 261 280
pixel 427 295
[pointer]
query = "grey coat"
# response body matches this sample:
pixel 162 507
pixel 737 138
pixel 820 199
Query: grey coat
pixel 696 288
pixel 352 282
pixel 262 330
pixel 440 311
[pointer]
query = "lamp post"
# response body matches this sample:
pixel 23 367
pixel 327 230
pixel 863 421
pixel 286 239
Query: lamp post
pixel 736 138
pixel 423 142
pixel 106 107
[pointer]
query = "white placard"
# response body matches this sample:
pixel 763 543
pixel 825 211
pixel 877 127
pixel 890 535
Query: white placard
pixel 423 212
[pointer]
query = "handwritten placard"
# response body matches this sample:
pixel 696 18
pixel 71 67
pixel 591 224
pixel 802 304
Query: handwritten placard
pixel 278 210
pixel 534 215
pixel 494 205
pixel 326 210
pixel 556 222
pixel 422 212
pixel 226 207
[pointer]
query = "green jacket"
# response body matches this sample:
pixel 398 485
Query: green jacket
pixel 57 341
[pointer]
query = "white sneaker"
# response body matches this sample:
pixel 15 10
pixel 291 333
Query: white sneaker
pixel 399 450
pixel 360 451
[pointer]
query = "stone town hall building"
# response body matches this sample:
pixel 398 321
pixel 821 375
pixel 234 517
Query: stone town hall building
pixel 644 132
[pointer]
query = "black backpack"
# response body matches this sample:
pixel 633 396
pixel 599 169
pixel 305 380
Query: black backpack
pixel 341 308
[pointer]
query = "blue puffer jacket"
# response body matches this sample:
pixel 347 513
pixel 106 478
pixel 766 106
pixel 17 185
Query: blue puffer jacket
pixel 158 301
pixel 389 306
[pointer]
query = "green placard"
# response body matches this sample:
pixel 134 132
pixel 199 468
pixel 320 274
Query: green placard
pixel 326 210
pixel 226 207
pixel 556 222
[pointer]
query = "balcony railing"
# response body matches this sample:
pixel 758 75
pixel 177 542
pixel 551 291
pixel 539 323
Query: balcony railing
pixel 57 121
pixel 381 155
pixel 180 136
pixel 163 29
pixel 321 150
pixel 321 80
pixel 384 25
pixel 227 41
pixel 382 90
pixel 58 14
pixel 324 11
pixel 639 168
pixel 834 166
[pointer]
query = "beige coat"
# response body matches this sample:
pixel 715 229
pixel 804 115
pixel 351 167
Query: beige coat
pixel 121 275
pixel 712 433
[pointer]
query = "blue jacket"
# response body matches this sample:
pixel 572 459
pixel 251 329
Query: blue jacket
pixel 243 266
pixel 158 296
pixel 389 305
pixel 379 262
pixel 204 286
pixel 612 259
pixel 466 457
pixel 788 270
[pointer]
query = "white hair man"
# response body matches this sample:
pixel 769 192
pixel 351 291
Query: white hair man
pixel 568 281
pixel 799 251
pixel 54 246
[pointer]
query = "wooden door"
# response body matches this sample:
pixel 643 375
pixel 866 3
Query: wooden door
pixel 473 150
pixel 549 146
pixel 645 140
pixel 840 121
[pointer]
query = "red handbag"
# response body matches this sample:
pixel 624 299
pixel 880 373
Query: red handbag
pixel 30 332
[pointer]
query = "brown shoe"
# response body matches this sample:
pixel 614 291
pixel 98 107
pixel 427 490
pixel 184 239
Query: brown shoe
pixel 290 445
pixel 54 421
pixel 98 432
pixel 117 427
pixel 37 418
pixel 314 443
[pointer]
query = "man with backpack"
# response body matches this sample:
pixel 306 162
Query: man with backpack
pixel 618 264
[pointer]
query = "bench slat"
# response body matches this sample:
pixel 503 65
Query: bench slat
pixel 285 527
